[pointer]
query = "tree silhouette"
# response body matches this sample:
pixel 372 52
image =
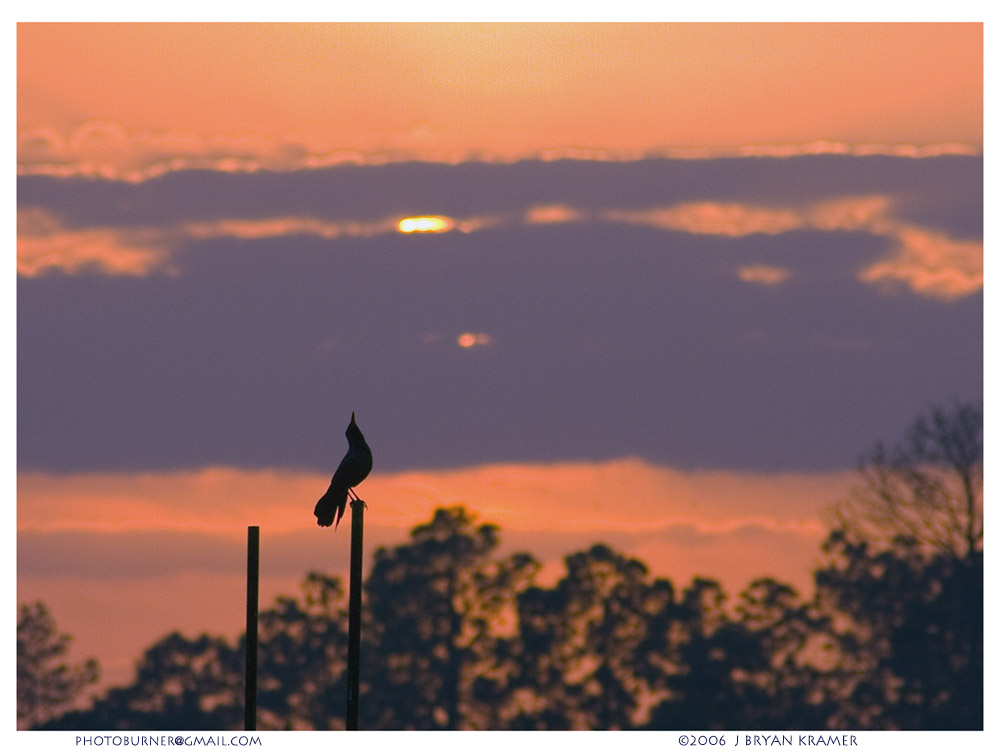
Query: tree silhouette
pixel 911 657
pixel 907 567
pixel 436 607
pixel 458 637
pixel 45 683
pixel 791 650
pixel 181 683
pixel 303 658
pixel 700 690
pixel 197 683
pixel 928 487
pixel 578 645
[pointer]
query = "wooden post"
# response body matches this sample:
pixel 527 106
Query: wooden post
pixel 250 672
pixel 354 613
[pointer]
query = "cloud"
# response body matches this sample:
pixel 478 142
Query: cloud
pixel 850 213
pixel 628 495
pixel 43 245
pixel 929 263
pixel 295 300
pixel 108 149
pixel 276 227
pixel 369 193
pixel 713 218
pixel 607 341
pixel 763 274
pixel 826 146
pixel 552 214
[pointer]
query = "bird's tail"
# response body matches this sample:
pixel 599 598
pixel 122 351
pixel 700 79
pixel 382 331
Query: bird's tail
pixel 331 505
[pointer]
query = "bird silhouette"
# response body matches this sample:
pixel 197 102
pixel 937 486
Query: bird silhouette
pixel 353 469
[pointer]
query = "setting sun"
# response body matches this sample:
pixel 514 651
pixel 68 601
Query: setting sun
pixel 424 225
pixel 470 339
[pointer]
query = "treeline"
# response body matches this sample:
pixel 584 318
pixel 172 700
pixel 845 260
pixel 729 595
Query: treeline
pixel 458 637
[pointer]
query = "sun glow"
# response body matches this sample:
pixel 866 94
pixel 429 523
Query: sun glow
pixel 425 225
pixel 471 339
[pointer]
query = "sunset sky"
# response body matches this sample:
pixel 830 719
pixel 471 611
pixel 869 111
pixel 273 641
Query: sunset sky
pixel 682 276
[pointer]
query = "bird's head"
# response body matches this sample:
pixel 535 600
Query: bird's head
pixel 353 432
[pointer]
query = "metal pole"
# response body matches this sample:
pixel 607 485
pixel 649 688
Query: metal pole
pixel 354 614
pixel 250 673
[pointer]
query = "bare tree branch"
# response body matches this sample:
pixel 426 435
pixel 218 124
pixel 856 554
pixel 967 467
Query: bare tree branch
pixel 928 488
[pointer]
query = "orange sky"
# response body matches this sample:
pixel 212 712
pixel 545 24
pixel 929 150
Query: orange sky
pixel 184 534
pixel 134 92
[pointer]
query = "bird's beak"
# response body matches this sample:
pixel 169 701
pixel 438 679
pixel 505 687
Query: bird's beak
pixel 352 417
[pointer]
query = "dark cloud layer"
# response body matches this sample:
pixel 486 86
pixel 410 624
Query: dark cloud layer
pixel 933 191
pixel 607 339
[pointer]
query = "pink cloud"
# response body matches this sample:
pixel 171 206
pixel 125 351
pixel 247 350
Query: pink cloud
pixel 714 218
pixel 111 150
pixel 42 244
pixel 551 214
pixel 930 263
pixel 628 495
pixel 763 274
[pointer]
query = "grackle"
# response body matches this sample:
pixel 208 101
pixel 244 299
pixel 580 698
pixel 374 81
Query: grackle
pixel 353 469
